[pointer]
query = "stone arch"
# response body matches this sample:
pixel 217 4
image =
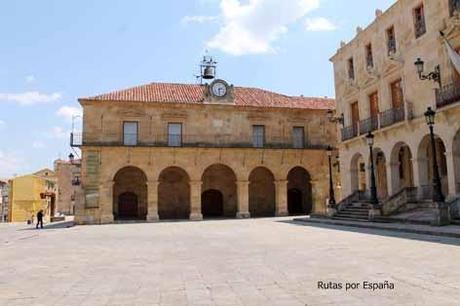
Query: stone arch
pixel 221 178
pixel 300 199
pixel 173 193
pixel 425 165
pixel 456 155
pixel 358 173
pixel 261 192
pixel 380 168
pixel 402 173
pixel 130 194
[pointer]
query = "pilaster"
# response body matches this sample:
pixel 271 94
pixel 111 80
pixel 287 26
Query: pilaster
pixel 152 200
pixel 281 198
pixel 195 201
pixel 243 199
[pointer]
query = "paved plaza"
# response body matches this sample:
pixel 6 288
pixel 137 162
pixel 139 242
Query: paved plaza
pixel 224 262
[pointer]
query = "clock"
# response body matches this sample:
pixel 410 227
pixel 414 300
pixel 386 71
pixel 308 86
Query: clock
pixel 219 89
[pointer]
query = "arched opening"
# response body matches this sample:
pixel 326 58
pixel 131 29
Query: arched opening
pixel 221 178
pixel 261 193
pixel 299 187
pixel 358 173
pixel 130 194
pixel 402 174
pixel 295 202
pixel 212 203
pixel 425 157
pixel 174 194
pixel 456 154
pixel 380 169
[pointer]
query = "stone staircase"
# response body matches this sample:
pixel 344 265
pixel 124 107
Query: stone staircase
pixel 354 211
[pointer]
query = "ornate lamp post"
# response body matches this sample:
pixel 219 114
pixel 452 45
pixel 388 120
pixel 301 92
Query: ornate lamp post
pixel 374 199
pixel 332 202
pixel 438 197
pixel 340 119
pixel 432 76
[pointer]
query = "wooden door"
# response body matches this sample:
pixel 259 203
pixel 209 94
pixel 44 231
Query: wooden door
pixel 397 94
pixel 374 104
pixel 354 114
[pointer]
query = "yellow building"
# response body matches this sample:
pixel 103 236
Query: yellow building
pixel 31 193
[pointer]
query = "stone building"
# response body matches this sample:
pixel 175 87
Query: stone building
pixel 379 90
pixel 4 191
pixel 68 183
pixel 179 151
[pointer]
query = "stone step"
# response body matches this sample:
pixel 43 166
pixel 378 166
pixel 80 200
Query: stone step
pixel 350 219
pixel 357 212
pixel 356 209
pixel 345 214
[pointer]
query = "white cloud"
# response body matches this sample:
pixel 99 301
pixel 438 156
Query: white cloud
pixel 198 19
pixel 252 27
pixel 38 145
pixel 30 78
pixel 319 24
pixel 10 164
pixel 30 97
pixel 68 112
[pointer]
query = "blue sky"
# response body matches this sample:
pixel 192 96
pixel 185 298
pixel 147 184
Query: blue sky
pixel 54 51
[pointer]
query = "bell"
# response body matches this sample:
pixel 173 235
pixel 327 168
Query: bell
pixel 208 73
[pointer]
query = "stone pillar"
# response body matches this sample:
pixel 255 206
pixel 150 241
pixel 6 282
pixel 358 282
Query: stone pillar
pixel 243 199
pixel 393 178
pixel 281 198
pixel 450 174
pixel 416 178
pixel 195 201
pixel 319 197
pixel 106 202
pixel 152 200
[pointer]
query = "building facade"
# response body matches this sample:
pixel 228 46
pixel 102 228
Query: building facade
pixel 178 151
pixel 68 175
pixel 379 90
pixel 31 193
pixel 4 191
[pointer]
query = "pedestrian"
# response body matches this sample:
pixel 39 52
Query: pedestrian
pixel 40 219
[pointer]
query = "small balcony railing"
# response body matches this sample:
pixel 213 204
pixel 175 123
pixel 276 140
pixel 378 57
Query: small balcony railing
pixel 194 141
pixel 369 125
pixel 391 46
pixel 448 94
pixel 392 116
pixel 454 6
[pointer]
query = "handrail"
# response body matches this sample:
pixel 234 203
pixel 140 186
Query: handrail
pixel 398 200
pixel 454 206
pixel 355 196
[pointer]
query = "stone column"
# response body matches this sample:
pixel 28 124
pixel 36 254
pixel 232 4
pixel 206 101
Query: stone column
pixel 106 202
pixel 416 177
pixel 195 201
pixel 393 178
pixel 152 200
pixel 281 198
pixel 450 173
pixel 243 200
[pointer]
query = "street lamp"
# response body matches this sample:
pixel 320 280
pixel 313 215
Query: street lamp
pixel 71 158
pixel 432 76
pixel 437 185
pixel 332 202
pixel 333 119
pixel 370 143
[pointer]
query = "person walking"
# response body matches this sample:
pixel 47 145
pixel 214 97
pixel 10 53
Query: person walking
pixel 40 219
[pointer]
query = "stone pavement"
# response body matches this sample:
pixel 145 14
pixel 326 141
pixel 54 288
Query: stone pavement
pixel 230 262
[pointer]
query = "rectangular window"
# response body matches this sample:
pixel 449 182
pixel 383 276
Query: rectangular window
pixel 174 134
pixel 454 6
pixel 130 133
pixel 374 104
pixel 397 97
pixel 419 21
pixel 258 136
pixel 369 57
pixel 391 41
pixel 351 69
pixel 298 136
pixel 354 113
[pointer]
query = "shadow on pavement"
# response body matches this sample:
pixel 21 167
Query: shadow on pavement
pixel 57 225
pixel 379 232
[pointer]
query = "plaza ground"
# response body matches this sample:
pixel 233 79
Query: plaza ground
pixel 223 262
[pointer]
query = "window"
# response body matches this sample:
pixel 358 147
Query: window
pixel 351 69
pixel 391 41
pixel 174 134
pixel 419 21
pixel 397 97
pixel 298 136
pixel 454 6
pixel 369 57
pixel 355 114
pixel 374 104
pixel 130 133
pixel 258 136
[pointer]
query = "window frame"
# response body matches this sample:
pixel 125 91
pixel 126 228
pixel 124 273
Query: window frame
pixel 303 142
pixel 255 143
pixel 172 142
pixel 136 142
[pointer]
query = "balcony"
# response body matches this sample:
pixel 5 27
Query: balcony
pixel 192 141
pixel 383 120
pixel 448 94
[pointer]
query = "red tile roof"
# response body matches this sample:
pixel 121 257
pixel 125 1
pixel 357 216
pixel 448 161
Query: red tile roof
pixel 195 94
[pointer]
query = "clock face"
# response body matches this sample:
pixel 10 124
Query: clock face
pixel 219 89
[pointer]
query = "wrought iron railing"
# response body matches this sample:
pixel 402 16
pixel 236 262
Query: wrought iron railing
pixel 448 94
pixel 368 125
pixel 392 116
pixel 454 6
pixel 195 141
pixel 349 132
